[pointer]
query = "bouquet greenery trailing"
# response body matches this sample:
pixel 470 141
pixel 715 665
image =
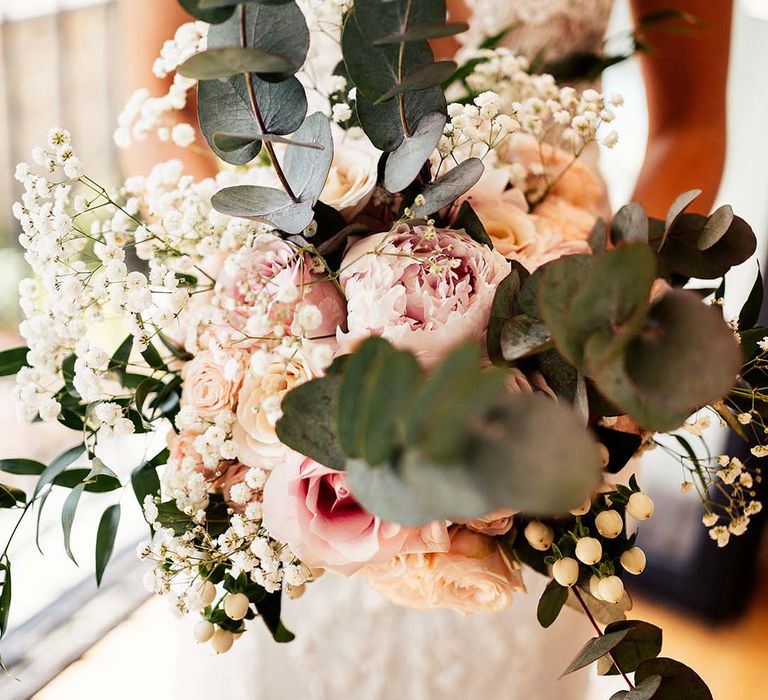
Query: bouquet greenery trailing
pixel 393 337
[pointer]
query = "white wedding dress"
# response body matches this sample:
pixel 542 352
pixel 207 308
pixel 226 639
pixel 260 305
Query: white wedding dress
pixel 352 644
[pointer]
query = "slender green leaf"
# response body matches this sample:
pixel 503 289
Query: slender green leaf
pixel 750 312
pixel 594 649
pixel 21 466
pixel 105 539
pixel 11 361
pixel 5 596
pixel 224 62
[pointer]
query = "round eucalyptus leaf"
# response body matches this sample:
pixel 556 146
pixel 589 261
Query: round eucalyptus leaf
pixel 630 225
pixel 307 168
pixel 426 76
pixel 680 204
pixel 381 20
pixel 425 32
pixel 405 163
pixel 523 335
pixel 264 204
pixel 224 62
pixel 677 680
pixel 450 186
pixel 212 14
pixel 716 227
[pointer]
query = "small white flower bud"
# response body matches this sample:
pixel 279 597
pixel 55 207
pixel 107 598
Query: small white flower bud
pixel 582 509
pixel 207 593
pixel 222 641
pixel 539 535
pixel 640 506
pixel 594 587
pixel 236 606
pixel 566 571
pixel 203 631
pixel 589 550
pixel 609 523
pixel 611 589
pixel 633 560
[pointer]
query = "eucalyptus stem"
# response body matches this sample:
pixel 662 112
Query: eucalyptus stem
pixel 591 618
pixel 401 68
pixel 259 119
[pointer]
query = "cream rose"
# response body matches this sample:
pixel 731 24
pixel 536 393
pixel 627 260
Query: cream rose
pixel 258 410
pixel 353 174
pixel 475 575
pixel 211 385
pixel 497 523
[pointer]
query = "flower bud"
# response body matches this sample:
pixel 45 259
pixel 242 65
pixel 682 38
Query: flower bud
pixel 539 536
pixel 633 560
pixel 236 606
pixel 609 523
pixel 582 509
pixel 594 587
pixel 640 506
pixel 589 550
pixel 294 592
pixel 203 631
pixel 566 571
pixel 207 593
pixel 611 589
pixel 222 641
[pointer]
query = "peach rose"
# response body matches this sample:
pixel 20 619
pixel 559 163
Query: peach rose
pixel 495 524
pixel 230 474
pixel 209 386
pixel 310 507
pixel 258 410
pixel 517 235
pixel 571 222
pixel 424 290
pixel 353 175
pixel 475 575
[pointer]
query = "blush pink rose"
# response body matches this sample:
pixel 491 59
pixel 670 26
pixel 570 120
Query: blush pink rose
pixel 311 508
pixel 211 386
pixel 495 524
pixel 425 290
pixel 475 575
pixel 262 284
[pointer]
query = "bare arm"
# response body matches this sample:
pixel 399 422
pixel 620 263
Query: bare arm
pixel 146 24
pixel 685 80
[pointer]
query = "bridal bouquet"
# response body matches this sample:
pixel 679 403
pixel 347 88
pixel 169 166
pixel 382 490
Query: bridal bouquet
pixel 394 337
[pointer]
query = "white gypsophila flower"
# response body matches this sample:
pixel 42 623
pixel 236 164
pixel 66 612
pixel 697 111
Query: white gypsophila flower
pixel 721 535
pixel 183 135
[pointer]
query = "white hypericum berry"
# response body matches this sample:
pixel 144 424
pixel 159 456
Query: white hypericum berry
pixel 203 631
pixel 207 593
pixel 594 587
pixel 633 560
pixel 566 571
pixel 236 606
pixel 583 508
pixel 611 589
pixel 640 506
pixel 539 536
pixel 222 641
pixel 605 456
pixel 589 550
pixel 609 523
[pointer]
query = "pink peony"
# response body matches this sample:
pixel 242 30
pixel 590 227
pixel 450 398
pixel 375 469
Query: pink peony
pixel 211 387
pixel 261 285
pixel 311 508
pixel 423 289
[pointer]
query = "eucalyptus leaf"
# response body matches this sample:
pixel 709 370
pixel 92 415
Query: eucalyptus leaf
pixel 227 61
pixel 643 642
pixel 21 466
pixel 68 516
pixel 598 237
pixel 10 496
pixel 105 539
pixel 405 163
pixel 523 335
pixel 594 649
pixel 680 204
pixel 212 14
pixel 264 204
pixel 5 596
pixel 551 603
pixel 716 227
pixel 750 312
pixel 645 690
pixel 506 305
pixel 449 187
pixel 424 32
pixel 57 466
pixel 421 78
pixel 468 221
pixel 630 225
pixel 677 680
pixel 380 19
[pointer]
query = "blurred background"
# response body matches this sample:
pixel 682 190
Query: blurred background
pixel 59 64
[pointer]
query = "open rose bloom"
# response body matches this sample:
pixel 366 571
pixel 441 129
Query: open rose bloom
pixel 390 337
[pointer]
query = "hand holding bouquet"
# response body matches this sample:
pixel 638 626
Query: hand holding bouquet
pixel 393 338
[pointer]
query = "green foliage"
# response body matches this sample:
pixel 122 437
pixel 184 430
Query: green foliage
pixel 468 221
pixel 629 225
pixel 10 496
pixel 642 642
pixel 5 595
pixel 405 162
pixel 105 539
pixel 21 466
pixel 11 361
pixel 677 680
pixel 449 187
pixel 594 649
pixel 551 603
pixel 750 312
pixel 451 444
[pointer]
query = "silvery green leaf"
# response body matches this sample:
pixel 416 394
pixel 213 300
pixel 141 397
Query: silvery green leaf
pixel 279 29
pixel 449 187
pixel 405 163
pixel 426 76
pixel 630 224
pixel 716 227
pixel 380 19
pixel 523 335
pixel 204 11
pixel 233 142
pixel 224 62
pixel 680 204
pixel 307 169
pixel 264 204
pixel 423 33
